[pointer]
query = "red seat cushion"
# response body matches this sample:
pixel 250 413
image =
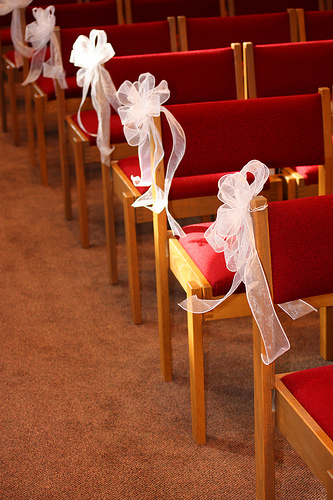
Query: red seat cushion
pixel 47 86
pixel 313 389
pixel 211 264
pixel 6 38
pixel 90 123
pixel 309 173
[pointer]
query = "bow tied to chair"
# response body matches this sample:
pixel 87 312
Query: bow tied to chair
pixel 232 233
pixel 39 33
pixel 140 102
pixel 14 7
pixel 90 54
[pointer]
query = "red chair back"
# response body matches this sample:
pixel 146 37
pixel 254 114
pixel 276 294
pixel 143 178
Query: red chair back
pixel 244 7
pixel 319 25
pixel 152 10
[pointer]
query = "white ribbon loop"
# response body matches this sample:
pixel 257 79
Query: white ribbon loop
pixel 90 54
pixel 21 49
pixel 39 33
pixel 141 102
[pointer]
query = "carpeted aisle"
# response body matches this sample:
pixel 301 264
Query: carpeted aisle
pixel 84 413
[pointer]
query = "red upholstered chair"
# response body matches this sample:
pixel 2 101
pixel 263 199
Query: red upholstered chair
pixel 138 11
pixel 315 25
pixel 299 404
pixel 277 131
pixel 287 69
pixel 243 7
pixel 5 45
pixel 192 77
pixel 209 33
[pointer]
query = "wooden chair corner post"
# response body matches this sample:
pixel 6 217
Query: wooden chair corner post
pixel 3 108
pixel 231 7
pixel 294 34
pixel 173 34
pixel 128 11
pixel 182 33
pixel 61 116
pixel 301 25
pixel 250 87
pixel 238 63
pixel 162 267
pixel 107 183
pixel 263 374
pixel 329 5
pixel 223 8
pixel 120 11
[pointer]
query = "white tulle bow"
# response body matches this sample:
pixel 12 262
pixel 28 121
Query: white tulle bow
pixel 90 54
pixel 141 102
pixel 39 33
pixel 13 6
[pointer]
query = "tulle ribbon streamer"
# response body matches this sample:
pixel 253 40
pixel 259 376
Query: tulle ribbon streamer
pixel 14 7
pixel 232 233
pixel 141 102
pixel 90 54
pixel 39 33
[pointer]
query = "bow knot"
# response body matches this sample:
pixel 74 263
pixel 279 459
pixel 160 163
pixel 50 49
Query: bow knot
pixel 90 54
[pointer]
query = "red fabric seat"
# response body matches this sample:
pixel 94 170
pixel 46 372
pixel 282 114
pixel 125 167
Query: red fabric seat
pixel 313 389
pixel 6 38
pixel 90 123
pixel 211 264
pixel 47 85
pixel 310 174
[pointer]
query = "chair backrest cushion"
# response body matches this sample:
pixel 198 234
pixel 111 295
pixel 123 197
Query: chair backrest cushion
pixel 301 239
pixel 293 68
pixel 222 31
pixel 223 136
pixel 261 6
pixel 152 10
pixel 319 25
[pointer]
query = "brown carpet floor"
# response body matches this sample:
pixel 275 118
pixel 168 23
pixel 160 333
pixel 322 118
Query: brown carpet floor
pixel 84 413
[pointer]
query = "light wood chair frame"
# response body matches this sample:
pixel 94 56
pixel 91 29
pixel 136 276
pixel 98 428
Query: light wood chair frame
pixel 182 29
pixel 274 403
pixel 294 182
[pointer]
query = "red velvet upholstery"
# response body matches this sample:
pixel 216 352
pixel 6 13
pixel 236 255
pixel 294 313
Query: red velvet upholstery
pixel 262 6
pixel 313 389
pixel 157 10
pixel 221 32
pixel 279 131
pixel 76 15
pixel 211 264
pixel 47 86
pixel 90 123
pixel 300 247
pixel 319 25
pixel 6 38
pixel 309 173
pixel 293 68
pixel 183 71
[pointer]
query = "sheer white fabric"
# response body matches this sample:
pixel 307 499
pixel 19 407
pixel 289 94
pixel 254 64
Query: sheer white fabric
pixel 141 102
pixel 13 6
pixel 90 54
pixel 39 33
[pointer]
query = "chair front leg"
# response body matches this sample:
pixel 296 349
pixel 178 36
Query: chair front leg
pixel 3 108
pixel 326 332
pixel 30 124
pixel 132 258
pixel 13 104
pixel 81 192
pixel 39 106
pixel 111 247
pixel 195 342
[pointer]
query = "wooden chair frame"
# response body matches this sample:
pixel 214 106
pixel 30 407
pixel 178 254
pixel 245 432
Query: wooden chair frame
pixel 169 254
pixel 292 189
pixel 300 13
pixel 183 39
pixel 274 403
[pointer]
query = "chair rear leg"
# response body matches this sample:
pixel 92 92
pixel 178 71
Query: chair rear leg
pixel 3 108
pixel 132 258
pixel 13 104
pixel 195 342
pixel 326 332
pixel 109 223
pixel 30 124
pixel 65 177
pixel 81 192
pixel 41 138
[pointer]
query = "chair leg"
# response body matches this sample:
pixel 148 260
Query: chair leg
pixel 65 178
pixel 41 139
pixel 162 292
pixel 326 333
pixel 13 104
pixel 109 223
pixel 195 342
pixel 81 192
pixel 132 258
pixel 30 124
pixel 264 417
pixel 330 485
pixel 3 108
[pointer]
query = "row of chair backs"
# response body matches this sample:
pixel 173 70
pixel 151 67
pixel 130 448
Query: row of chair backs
pixel 223 136
pixel 315 25
pixel 209 33
pixel 244 7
